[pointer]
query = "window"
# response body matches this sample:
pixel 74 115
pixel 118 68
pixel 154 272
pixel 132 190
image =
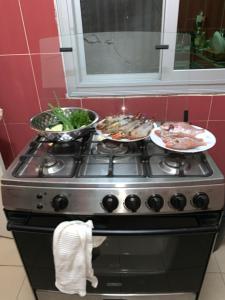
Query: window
pixel 124 47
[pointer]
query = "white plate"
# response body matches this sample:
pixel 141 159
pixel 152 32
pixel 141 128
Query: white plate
pixel 207 136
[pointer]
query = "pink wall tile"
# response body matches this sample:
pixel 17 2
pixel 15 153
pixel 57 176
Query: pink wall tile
pixel 11 28
pixel 218 108
pixel 40 24
pixel 152 107
pixel 218 151
pixel 62 103
pixel 6 150
pixel 104 106
pixel 197 106
pixel 70 102
pixel 176 107
pixel 49 76
pixel 17 93
pixel 19 134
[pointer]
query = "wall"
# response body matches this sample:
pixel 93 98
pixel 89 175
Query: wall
pixel 23 25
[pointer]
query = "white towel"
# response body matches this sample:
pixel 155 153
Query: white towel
pixel 72 250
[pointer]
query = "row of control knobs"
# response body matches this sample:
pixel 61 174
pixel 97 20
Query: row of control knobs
pixel 133 202
pixel 155 202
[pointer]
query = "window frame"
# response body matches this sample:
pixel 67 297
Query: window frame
pixel 168 80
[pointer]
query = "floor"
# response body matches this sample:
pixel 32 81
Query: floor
pixel 14 284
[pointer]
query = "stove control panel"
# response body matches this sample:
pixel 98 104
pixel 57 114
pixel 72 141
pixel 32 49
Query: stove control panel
pixel 149 200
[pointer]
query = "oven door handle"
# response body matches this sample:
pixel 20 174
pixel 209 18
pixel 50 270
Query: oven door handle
pixel 11 226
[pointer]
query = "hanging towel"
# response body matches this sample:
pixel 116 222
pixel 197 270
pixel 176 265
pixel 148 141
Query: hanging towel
pixel 72 250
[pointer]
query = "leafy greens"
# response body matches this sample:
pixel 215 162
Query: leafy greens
pixel 75 120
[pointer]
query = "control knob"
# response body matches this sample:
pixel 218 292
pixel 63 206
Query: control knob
pixel 110 203
pixel 59 202
pixel 155 202
pixel 132 202
pixel 201 200
pixel 178 201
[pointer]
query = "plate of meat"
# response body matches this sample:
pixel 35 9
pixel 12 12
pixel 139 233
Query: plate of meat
pixel 125 128
pixel 182 137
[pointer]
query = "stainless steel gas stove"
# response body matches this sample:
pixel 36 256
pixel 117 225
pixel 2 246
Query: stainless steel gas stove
pixel 159 210
pixel 92 177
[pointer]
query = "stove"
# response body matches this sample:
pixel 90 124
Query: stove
pixel 89 176
pixel 159 211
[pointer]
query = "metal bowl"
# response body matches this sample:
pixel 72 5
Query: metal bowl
pixel 45 119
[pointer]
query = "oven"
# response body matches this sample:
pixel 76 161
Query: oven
pixel 161 256
pixel 159 211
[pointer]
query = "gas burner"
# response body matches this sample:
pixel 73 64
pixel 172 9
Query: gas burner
pixel 64 148
pixel 111 147
pixel 51 165
pixel 173 164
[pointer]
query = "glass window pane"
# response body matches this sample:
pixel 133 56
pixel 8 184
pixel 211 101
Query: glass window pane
pixel 200 35
pixel 120 35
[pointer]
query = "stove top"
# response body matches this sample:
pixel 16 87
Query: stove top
pixel 106 176
pixel 91 158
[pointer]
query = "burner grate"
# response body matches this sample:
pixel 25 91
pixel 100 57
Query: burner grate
pixel 88 158
pixel 100 165
pixel 170 164
pixel 66 155
pixel 113 159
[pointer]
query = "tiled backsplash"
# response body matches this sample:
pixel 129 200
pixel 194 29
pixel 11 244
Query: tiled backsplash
pixel 23 94
pixel 204 111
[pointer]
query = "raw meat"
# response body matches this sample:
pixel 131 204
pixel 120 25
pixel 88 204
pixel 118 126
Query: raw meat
pixel 126 127
pixel 184 143
pixel 141 131
pixel 181 128
pixel 180 135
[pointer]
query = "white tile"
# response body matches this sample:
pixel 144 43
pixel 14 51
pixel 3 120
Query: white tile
pixel 26 291
pixel 213 266
pixel 11 279
pixel 213 287
pixel 220 257
pixel 9 253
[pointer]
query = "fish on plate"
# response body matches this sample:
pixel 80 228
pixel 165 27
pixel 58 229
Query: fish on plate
pixel 184 143
pixel 126 127
pixel 180 135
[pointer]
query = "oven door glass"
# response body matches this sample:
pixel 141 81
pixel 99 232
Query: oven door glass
pixel 153 264
pixel 158 261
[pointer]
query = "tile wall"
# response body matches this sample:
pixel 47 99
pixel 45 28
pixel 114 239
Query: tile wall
pixel 29 43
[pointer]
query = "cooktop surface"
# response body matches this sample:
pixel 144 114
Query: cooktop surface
pixel 91 158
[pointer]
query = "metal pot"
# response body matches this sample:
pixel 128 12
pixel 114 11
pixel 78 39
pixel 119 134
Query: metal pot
pixel 45 119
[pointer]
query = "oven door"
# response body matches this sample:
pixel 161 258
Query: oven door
pixel 141 255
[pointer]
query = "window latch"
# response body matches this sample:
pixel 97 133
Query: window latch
pixel 161 47
pixel 66 49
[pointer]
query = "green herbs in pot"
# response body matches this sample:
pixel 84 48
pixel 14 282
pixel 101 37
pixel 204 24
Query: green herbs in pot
pixel 62 118
pixel 75 120
pixel 79 118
